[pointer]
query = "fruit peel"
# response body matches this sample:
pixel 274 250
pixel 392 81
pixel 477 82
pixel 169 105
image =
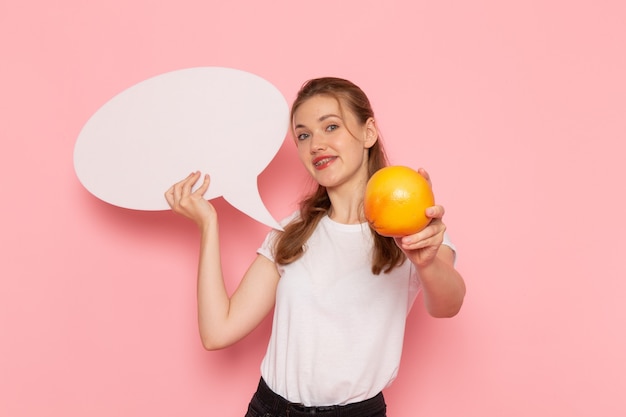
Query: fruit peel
pixel 396 199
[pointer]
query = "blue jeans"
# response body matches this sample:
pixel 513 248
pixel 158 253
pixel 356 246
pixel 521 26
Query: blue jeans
pixel 266 403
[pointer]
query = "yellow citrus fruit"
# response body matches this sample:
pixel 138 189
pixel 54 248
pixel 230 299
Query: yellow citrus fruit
pixel 396 199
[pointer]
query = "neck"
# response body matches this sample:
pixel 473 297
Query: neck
pixel 347 207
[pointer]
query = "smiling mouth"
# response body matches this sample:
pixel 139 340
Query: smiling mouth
pixel 323 161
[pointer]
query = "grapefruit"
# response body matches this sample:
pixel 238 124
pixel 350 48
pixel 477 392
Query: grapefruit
pixel 396 199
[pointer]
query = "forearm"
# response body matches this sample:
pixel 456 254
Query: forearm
pixel 443 287
pixel 213 299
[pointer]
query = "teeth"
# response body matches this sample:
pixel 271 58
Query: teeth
pixel 323 161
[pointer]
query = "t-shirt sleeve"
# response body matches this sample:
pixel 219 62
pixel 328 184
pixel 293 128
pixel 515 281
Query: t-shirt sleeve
pixel 448 243
pixel 267 247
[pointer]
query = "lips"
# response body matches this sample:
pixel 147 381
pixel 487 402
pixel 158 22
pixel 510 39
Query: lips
pixel 323 161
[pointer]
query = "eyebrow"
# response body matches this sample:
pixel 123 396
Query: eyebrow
pixel 321 119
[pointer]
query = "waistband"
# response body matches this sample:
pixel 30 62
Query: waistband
pixel 281 406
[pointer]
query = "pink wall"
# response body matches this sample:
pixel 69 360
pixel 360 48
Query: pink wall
pixel 518 110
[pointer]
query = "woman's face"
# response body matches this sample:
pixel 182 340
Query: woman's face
pixel 332 144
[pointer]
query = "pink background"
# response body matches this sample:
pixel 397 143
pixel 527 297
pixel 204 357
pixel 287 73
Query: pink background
pixel 517 109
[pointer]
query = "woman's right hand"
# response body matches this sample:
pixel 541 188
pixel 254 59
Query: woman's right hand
pixel 192 204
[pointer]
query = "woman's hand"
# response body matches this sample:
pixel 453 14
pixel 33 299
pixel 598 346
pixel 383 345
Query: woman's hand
pixel 421 248
pixel 191 204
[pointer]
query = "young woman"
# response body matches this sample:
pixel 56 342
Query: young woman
pixel 340 291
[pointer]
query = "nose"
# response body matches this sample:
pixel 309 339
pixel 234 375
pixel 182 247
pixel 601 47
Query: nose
pixel 317 143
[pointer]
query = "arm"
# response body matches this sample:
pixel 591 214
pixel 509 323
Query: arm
pixel 222 320
pixel 444 288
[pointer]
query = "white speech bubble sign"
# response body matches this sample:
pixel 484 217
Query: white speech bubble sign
pixel 221 121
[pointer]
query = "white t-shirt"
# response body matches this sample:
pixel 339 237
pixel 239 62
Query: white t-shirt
pixel 338 329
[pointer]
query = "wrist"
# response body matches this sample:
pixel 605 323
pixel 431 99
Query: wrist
pixel 207 224
pixel 428 270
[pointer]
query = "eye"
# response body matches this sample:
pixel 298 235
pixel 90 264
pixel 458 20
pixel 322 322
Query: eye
pixel 302 136
pixel 332 127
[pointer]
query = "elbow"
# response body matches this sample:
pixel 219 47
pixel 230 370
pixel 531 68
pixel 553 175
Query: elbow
pixel 212 346
pixel 211 343
pixel 446 313
pixel 448 309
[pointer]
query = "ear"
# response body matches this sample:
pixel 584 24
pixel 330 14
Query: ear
pixel 371 133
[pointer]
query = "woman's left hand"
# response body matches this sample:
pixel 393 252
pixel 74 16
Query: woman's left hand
pixel 421 248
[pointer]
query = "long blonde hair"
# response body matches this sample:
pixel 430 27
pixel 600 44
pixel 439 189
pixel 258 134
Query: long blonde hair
pixel 290 244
